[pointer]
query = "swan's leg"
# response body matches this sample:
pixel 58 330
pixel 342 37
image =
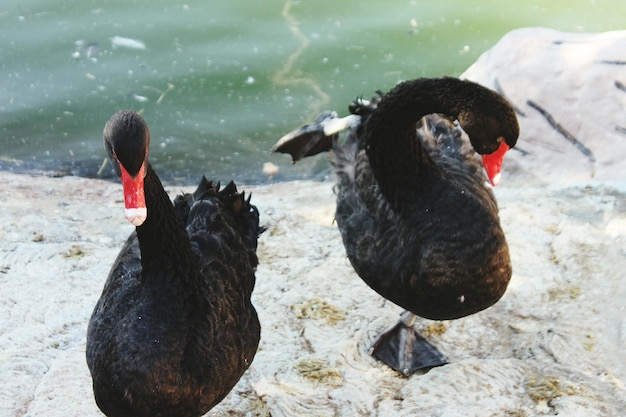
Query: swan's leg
pixel 405 350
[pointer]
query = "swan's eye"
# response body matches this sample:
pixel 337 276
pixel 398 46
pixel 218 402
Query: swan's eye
pixel 116 163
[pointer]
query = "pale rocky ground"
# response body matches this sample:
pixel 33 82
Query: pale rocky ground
pixel 555 344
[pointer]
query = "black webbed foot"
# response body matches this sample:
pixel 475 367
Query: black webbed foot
pixel 405 350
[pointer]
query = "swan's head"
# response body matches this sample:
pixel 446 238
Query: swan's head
pixel 127 140
pixel 492 127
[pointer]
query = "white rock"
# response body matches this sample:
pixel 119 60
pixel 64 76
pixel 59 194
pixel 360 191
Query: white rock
pixel 577 78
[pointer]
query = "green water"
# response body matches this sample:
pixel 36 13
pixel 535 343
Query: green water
pixel 220 82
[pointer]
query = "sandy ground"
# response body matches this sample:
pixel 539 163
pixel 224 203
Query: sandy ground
pixel 554 345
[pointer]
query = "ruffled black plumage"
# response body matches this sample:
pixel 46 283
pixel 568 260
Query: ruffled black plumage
pixel 174 328
pixel 417 220
pixel 442 253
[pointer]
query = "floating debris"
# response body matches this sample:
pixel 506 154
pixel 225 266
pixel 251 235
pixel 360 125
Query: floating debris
pixel 91 49
pixel 162 93
pixel 414 27
pixel 121 42
pixel 137 97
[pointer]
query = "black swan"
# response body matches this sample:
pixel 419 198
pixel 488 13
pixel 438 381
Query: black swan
pixel 418 221
pixel 174 329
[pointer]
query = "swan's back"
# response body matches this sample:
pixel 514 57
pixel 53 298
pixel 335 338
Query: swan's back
pixel 450 149
pixel 440 136
pixel 443 247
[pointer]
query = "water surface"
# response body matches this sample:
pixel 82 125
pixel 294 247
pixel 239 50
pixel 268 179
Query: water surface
pixel 220 82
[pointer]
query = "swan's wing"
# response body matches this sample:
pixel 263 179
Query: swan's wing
pixel 315 137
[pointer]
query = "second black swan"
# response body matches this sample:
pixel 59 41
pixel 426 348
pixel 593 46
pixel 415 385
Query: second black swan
pixel 418 222
pixel 174 329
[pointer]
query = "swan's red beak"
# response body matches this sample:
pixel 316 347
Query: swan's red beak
pixel 134 197
pixel 493 163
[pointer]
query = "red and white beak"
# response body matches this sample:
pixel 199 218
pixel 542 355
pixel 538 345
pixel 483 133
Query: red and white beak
pixel 134 197
pixel 493 163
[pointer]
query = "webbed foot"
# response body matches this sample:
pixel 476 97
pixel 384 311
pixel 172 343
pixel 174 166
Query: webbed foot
pixel 405 350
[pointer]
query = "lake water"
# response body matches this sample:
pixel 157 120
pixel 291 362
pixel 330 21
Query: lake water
pixel 220 82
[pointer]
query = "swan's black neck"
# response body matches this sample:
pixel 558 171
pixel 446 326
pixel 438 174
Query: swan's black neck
pixel 399 161
pixel 162 238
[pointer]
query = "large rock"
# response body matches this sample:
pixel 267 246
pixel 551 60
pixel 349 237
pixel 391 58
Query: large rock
pixel 569 90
